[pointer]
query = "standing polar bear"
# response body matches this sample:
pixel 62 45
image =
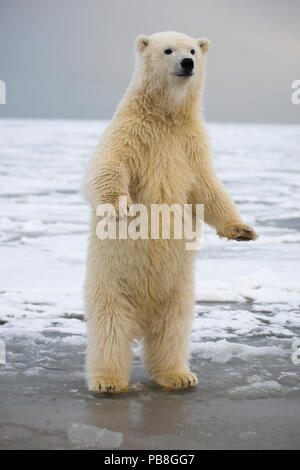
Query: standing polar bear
pixel 154 151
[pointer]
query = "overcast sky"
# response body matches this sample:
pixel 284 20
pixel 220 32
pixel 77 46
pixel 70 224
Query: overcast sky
pixel 74 58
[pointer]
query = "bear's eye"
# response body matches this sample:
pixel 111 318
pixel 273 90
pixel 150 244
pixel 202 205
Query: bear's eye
pixel 168 51
pixel 193 51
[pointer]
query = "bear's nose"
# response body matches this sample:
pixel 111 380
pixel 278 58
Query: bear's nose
pixel 187 64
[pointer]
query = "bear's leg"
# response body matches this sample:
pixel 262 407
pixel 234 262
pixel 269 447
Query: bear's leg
pixel 167 342
pixel 109 353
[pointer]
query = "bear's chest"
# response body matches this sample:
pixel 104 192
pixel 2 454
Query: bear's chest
pixel 164 175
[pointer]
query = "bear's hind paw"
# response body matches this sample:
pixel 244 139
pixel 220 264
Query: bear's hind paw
pixel 176 380
pixel 101 384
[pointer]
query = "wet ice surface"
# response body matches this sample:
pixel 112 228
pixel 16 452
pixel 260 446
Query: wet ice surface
pixel 246 312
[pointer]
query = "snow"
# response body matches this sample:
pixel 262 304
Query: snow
pixel 263 286
pixel 223 351
pixel 257 389
pixel 85 436
pixel 44 221
pixel 247 294
pixel 247 435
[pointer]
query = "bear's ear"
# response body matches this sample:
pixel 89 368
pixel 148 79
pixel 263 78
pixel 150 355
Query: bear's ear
pixel 141 43
pixel 204 44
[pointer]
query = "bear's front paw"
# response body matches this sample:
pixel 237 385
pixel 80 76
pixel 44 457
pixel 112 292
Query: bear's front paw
pixel 239 232
pixel 176 380
pixel 101 384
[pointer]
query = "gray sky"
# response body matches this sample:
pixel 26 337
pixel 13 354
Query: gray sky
pixel 74 58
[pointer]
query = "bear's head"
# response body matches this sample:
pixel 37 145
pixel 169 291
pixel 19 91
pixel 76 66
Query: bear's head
pixel 171 61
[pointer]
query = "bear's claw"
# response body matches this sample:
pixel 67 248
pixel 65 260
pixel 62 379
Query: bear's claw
pixel 238 232
pixel 176 381
pixel 108 384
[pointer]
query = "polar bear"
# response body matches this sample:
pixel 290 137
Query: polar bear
pixel 154 151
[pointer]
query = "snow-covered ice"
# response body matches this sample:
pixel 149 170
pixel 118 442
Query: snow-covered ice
pixel 247 294
pixel 85 436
